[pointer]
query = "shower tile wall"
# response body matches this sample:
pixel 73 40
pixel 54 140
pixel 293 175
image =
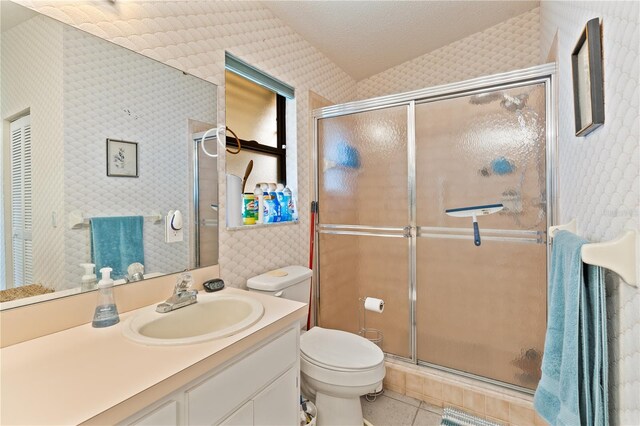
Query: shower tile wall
pixel 510 45
pixel 192 36
pixel 599 175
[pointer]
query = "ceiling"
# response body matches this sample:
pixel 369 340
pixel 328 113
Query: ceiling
pixel 12 14
pixel 367 37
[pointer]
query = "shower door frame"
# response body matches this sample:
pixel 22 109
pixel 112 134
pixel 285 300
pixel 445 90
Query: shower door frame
pixel 525 77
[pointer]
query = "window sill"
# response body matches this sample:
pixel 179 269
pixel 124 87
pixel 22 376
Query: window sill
pixel 262 225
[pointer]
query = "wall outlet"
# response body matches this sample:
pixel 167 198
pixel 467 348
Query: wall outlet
pixel 171 235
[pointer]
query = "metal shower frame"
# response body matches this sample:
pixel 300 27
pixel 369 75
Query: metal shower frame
pixel 537 74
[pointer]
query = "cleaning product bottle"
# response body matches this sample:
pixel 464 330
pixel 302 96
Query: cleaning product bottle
pixel 284 211
pixel 291 206
pixel 274 213
pixel 287 199
pixel 89 279
pixel 106 312
pixel 266 202
pixel 257 193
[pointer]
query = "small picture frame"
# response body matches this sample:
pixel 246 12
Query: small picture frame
pixel 122 158
pixel 588 83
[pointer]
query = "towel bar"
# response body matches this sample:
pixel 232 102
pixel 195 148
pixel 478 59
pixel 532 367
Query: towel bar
pixel 618 255
pixel 77 220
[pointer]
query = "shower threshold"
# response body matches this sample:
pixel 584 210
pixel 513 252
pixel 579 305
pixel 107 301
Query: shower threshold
pixel 463 377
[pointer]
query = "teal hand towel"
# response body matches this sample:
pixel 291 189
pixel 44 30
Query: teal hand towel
pixel 557 396
pixel 594 349
pixel 573 389
pixel 116 242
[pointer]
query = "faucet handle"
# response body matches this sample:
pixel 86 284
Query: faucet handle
pixel 183 283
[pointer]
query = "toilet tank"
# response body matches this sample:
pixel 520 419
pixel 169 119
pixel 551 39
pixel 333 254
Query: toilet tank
pixel 290 282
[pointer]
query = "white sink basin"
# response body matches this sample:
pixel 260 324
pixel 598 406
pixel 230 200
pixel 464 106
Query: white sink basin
pixel 214 316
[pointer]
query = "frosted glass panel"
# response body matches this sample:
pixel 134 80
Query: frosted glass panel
pixel 361 266
pixel 483 149
pixel 363 168
pixel 482 310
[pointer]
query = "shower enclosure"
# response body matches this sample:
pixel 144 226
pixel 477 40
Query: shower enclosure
pixel 386 171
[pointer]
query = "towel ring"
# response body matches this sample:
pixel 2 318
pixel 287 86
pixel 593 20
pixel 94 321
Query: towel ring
pixel 219 139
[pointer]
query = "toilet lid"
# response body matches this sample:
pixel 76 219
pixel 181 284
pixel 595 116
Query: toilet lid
pixel 339 349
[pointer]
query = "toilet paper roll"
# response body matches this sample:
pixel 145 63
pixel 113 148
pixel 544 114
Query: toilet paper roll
pixel 234 201
pixel 374 305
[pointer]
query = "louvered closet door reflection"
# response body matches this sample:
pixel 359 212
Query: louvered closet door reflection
pixel 363 208
pixel 482 310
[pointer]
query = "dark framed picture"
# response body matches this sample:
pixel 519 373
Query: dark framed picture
pixel 588 84
pixel 122 158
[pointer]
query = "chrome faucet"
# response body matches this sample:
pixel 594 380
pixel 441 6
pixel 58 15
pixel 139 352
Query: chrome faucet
pixel 182 295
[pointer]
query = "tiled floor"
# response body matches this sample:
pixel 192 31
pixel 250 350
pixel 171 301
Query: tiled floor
pixel 394 409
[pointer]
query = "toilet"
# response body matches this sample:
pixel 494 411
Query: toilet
pixel 337 367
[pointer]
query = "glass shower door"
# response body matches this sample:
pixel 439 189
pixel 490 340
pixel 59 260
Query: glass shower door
pixel 482 310
pixel 363 211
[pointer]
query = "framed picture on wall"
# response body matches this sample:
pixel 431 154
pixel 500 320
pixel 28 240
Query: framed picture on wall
pixel 588 90
pixel 122 158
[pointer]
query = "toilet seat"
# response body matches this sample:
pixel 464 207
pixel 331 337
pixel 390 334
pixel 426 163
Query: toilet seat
pixel 339 350
pixel 340 358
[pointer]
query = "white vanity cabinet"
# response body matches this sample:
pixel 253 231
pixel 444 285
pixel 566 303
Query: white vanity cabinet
pixel 261 386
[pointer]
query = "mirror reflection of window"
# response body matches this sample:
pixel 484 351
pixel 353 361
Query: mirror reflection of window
pixel 257 116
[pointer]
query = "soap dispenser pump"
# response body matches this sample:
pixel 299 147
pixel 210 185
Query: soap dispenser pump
pixel 106 312
pixel 89 279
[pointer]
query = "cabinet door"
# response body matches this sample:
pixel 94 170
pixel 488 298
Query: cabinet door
pixel 211 400
pixel 278 403
pixel 242 417
pixel 165 415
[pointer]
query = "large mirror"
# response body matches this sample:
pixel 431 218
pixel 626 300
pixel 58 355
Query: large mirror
pixel 99 152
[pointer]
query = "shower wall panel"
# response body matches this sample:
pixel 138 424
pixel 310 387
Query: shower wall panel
pixel 355 267
pixel 386 175
pixel 482 310
pixel 363 168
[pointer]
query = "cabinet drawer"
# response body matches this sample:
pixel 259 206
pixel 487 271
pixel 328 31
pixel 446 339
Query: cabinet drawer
pixel 210 401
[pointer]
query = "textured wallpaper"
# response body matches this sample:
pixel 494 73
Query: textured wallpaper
pixel 192 36
pixel 111 92
pixel 510 45
pixel 599 174
pixel 32 80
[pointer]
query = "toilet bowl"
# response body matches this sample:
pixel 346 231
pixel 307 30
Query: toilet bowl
pixel 336 367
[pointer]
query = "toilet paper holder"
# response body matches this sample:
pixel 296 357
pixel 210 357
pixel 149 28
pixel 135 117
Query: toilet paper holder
pixel 372 334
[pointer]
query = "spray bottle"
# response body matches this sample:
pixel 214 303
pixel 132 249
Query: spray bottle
pixel 274 212
pixel 289 204
pixel 106 313
pixel 284 211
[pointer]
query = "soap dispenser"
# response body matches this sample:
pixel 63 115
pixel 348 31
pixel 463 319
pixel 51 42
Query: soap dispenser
pixel 106 312
pixel 89 279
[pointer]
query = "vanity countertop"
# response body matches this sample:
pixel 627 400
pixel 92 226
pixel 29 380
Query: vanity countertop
pixel 86 374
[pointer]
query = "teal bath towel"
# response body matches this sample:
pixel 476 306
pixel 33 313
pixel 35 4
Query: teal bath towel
pixel 116 242
pixel 573 388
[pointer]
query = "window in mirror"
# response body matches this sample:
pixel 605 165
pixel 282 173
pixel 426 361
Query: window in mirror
pixel 257 116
